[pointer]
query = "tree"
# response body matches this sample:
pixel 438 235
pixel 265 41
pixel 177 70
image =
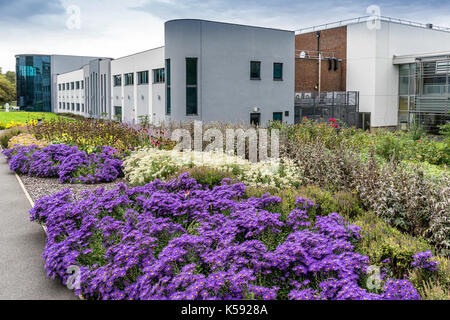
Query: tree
pixel 7 90
pixel 11 76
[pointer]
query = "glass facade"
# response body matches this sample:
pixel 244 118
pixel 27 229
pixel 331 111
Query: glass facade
pixel 424 93
pixel 34 83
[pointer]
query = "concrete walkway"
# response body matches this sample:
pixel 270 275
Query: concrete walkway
pixel 22 273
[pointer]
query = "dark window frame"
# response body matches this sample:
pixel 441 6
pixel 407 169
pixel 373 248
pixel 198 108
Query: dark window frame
pixel 142 77
pixel 281 77
pixel 277 113
pixel 127 77
pixel 159 75
pixel 257 63
pixel 192 88
pixel 117 80
pixel 168 90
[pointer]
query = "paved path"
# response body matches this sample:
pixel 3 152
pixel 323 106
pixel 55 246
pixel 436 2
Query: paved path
pixel 22 273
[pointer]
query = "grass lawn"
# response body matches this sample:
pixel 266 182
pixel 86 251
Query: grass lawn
pixel 22 117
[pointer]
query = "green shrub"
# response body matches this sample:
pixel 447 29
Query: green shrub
pixel 7 135
pixel 433 285
pixel 381 241
pixel 206 176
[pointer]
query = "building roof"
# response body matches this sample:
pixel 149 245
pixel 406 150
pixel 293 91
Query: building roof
pixel 365 19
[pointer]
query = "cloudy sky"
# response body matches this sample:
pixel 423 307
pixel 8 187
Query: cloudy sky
pixel 114 28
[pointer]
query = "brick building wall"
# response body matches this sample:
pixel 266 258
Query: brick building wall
pixel 306 70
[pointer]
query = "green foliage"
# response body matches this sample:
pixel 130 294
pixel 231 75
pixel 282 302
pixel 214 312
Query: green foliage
pixel 206 175
pixel 8 134
pixel 7 88
pixel 433 285
pixel 381 241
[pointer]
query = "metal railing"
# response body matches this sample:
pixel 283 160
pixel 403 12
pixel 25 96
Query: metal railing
pixel 341 105
pixel 346 22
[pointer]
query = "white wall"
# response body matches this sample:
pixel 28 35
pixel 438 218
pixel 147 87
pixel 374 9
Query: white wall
pixel 70 96
pixel 224 52
pixel 138 100
pixel 370 68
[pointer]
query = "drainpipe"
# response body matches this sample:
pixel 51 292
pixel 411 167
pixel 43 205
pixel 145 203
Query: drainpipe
pixel 320 63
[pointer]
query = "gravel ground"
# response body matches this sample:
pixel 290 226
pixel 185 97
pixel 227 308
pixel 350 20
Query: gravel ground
pixel 41 187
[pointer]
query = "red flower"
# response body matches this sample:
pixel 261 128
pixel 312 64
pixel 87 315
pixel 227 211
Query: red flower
pixel 332 120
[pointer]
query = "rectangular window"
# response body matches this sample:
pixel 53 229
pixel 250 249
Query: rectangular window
pixel 82 107
pixel 78 85
pixel 277 71
pixel 59 87
pixel 72 85
pixel 142 77
pixel 64 106
pixel 64 86
pixel 78 107
pixel 278 116
pixel 255 119
pixel 67 86
pixel 82 84
pixel 255 70
pixel 117 80
pixel 60 105
pixel 191 86
pixel 129 79
pixel 73 106
pixel 118 113
pixel 168 96
pixel 158 75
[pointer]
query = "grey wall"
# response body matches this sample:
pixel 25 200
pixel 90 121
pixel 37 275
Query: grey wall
pixel 224 52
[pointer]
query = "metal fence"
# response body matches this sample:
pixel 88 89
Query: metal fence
pixel 341 105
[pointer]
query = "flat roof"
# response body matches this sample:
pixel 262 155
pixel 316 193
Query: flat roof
pixel 133 54
pixel 229 23
pixel 342 23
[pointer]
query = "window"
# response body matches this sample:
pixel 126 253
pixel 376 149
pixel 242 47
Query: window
pixel 82 84
pixel 142 77
pixel 73 105
pixel 278 116
pixel 117 80
pixel 82 107
pixel 78 85
pixel 129 79
pixel 64 86
pixel 191 86
pixel 59 87
pixel 72 85
pixel 168 97
pixel 118 113
pixel 158 75
pixel 67 86
pixel 60 105
pixel 78 107
pixel 277 71
pixel 255 70
pixel 255 119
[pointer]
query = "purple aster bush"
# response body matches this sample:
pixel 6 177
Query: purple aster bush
pixel 68 163
pixel 181 240
pixel 422 261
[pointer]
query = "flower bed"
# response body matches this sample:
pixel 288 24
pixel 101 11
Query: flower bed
pixel 67 163
pixel 26 139
pixel 146 164
pixel 180 240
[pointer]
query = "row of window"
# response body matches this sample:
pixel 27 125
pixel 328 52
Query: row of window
pixel 71 85
pixel 255 70
pixel 71 106
pixel 142 78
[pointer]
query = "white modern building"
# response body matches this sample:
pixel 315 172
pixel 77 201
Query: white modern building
pixel 86 91
pixel 138 87
pixel 379 57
